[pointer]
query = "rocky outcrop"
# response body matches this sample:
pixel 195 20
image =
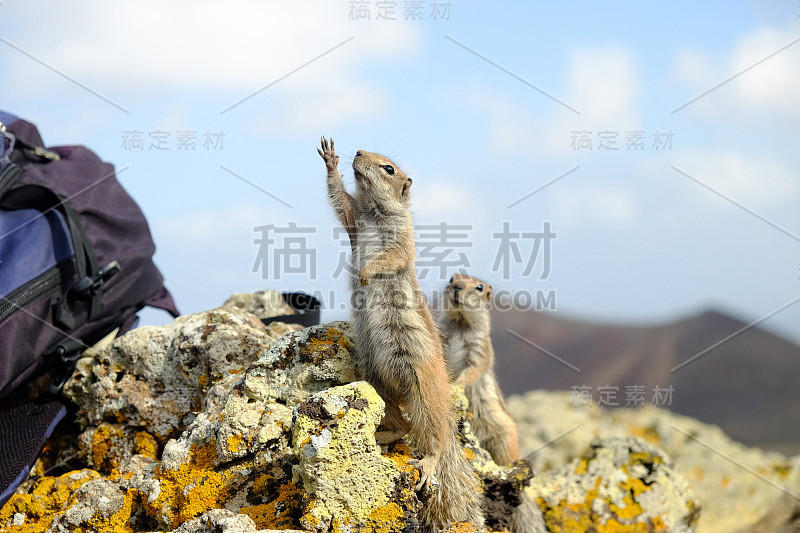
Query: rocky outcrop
pixel 736 487
pixel 619 484
pixel 217 420
pixel 220 423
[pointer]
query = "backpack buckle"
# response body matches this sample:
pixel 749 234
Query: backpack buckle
pixel 90 285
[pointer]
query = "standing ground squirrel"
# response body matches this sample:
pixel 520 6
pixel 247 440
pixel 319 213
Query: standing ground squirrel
pixel 470 357
pixel 466 324
pixel 399 351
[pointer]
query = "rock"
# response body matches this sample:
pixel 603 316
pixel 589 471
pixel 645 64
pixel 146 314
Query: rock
pixel 44 498
pixel 223 521
pixel 268 432
pixel 237 453
pixel 97 505
pixel 348 481
pixel 157 378
pixel 263 304
pixel 734 485
pixel 503 486
pixel 219 423
pixel 619 484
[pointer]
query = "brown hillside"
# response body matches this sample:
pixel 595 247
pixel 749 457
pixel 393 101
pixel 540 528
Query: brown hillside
pixel 749 385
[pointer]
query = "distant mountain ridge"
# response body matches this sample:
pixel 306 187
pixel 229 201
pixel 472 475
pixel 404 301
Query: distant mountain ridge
pixel 749 385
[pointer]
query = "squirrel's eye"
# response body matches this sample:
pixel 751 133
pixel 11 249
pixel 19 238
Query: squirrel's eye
pixel 389 169
pixel 479 288
pixel 451 279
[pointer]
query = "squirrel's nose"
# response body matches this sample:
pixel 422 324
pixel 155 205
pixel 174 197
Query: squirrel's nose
pixel 358 153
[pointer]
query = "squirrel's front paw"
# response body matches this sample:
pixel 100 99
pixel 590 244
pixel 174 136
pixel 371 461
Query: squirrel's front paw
pixel 328 154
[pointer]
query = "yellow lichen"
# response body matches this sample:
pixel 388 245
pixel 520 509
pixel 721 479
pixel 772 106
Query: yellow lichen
pixel 103 442
pixel 48 497
pixel 386 518
pixel 644 458
pixel 564 517
pixel 119 522
pixel 145 444
pixel 280 512
pixel 191 489
pixel 234 442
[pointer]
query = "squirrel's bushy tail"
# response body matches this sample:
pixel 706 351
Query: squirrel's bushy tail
pixel 458 495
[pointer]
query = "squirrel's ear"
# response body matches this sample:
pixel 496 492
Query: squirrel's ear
pixel 489 292
pixel 406 188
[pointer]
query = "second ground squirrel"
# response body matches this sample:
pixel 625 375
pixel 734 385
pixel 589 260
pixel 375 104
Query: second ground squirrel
pixel 470 358
pixel 398 350
pixel 466 324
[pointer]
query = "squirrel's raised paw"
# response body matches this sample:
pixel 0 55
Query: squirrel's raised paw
pixel 328 153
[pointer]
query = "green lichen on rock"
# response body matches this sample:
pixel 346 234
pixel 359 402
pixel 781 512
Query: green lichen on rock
pixel 341 467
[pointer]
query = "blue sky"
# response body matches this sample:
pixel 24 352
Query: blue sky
pixel 480 105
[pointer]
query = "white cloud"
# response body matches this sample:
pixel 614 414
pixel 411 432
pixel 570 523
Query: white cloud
pixel 239 44
pixel 756 181
pixel 759 88
pixel 131 52
pixel 601 84
pixel 775 83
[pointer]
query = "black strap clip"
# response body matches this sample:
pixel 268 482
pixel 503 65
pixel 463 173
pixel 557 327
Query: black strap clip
pixel 90 285
pixel 67 354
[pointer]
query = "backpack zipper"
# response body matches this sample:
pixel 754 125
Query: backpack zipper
pixel 8 176
pixel 30 291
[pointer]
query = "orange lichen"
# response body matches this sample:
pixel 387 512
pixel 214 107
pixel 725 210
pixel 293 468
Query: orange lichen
pixel 234 442
pixel 145 444
pixel 386 518
pixel 105 439
pixel 280 513
pixel 191 489
pixel 202 383
pixel 319 345
pixel 564 517
pixel 48 497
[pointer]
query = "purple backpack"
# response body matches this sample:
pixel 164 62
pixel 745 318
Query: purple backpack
pixel 75 264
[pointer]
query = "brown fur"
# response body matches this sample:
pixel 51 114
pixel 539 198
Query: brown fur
pixel 470 359
pixel 399 351
pixel 467 326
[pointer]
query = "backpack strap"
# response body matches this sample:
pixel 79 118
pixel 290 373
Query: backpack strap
pixel 23 432
pixel 91 277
